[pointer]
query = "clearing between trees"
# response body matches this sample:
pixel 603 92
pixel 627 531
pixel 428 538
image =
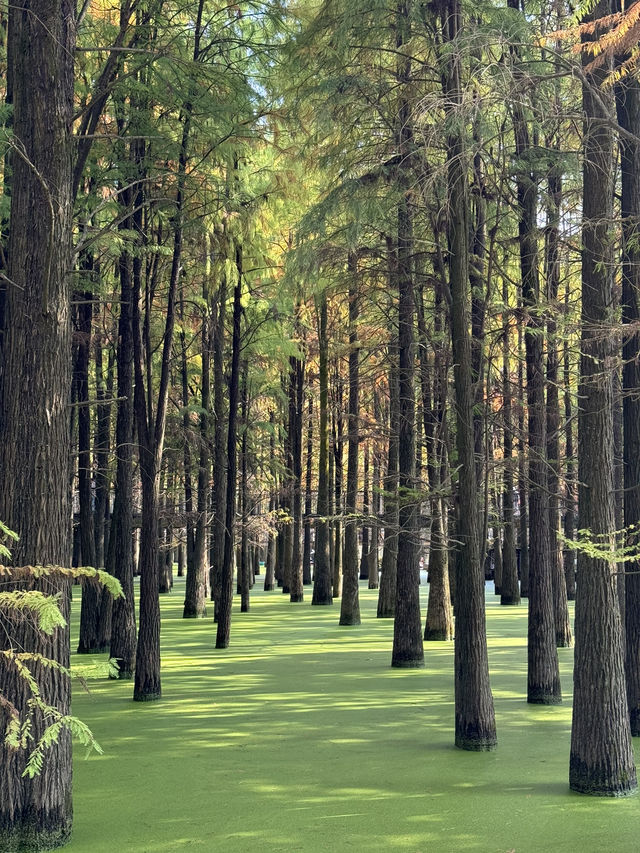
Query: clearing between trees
pixel 300 737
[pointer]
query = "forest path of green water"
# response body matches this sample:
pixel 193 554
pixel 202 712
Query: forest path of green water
pixel 300 738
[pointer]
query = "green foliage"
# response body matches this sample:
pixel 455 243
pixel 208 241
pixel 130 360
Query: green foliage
pixel 44 611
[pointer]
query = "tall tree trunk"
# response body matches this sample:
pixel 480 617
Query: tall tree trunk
pixel 628 108
pixel 335 504
pixel 364 555
pixel 388 580
pixel 562 624
pixel 474 714
pixel 120 553
pixel 543 678
pixel 196 583
pixel 296 591
pixel 601 760
pixel 308 498
pixel 226 575
pixel 322 580
pixel 35 380
pixel 407 626
pixel 219 448
pixel 570 475
pixel 91 591
pixel 350 603
pixel 510 590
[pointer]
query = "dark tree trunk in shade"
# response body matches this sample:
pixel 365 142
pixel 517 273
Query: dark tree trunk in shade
pixel 120 554
pixel 219 447
pixel 350 603
pixel 308 498
pixel 388 573
pixel 475 727
pixel 244 568
pixel 335 504
pixel 569 524
pixel 618 486
pixel 564 637
pixel 270 559
pixel 296 403
pixel 364 555
pixel 510 590
pixel 373 567
pixel 91 589
pixel 226 576
pixel 543 679
pixel 497 564
pixel 101 448
pixel 601 761
pixel 188 442
pixel 322 580
pixel 523 489
pixel 407 626
pixel 628 108
pixel 35 382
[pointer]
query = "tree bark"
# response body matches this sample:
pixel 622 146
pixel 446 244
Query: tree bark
pixel 35 379
pixel 475 727
pixel 601 761
pixel 350 604
pixel 322 580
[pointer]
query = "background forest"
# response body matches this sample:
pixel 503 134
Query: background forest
pixel 313 294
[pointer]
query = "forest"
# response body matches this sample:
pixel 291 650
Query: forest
pixel 319 328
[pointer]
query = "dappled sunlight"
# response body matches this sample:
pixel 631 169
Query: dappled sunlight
pixel 301 738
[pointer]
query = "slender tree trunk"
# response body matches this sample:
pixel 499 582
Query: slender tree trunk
pixel 474 714
pixel 562 624
pixel 322 580
pixel 336 532
pixel 364 556
pixel 308 497
pixel 295 420
pixel 570 476
pixel 219 449
pixel 226 577
pixel 510 590
pixel 388 580
pixel 91 590
pixel 543 679
pixel 350 604
pixel 407 626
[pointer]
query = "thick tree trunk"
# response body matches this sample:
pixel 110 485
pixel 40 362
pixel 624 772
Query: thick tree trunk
pixel 628 103
pixel 350 603
pixel 601 761
pixel 35 380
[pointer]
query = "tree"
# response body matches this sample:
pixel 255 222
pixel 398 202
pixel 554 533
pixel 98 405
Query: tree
pixel 35 356
pixel 601 761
